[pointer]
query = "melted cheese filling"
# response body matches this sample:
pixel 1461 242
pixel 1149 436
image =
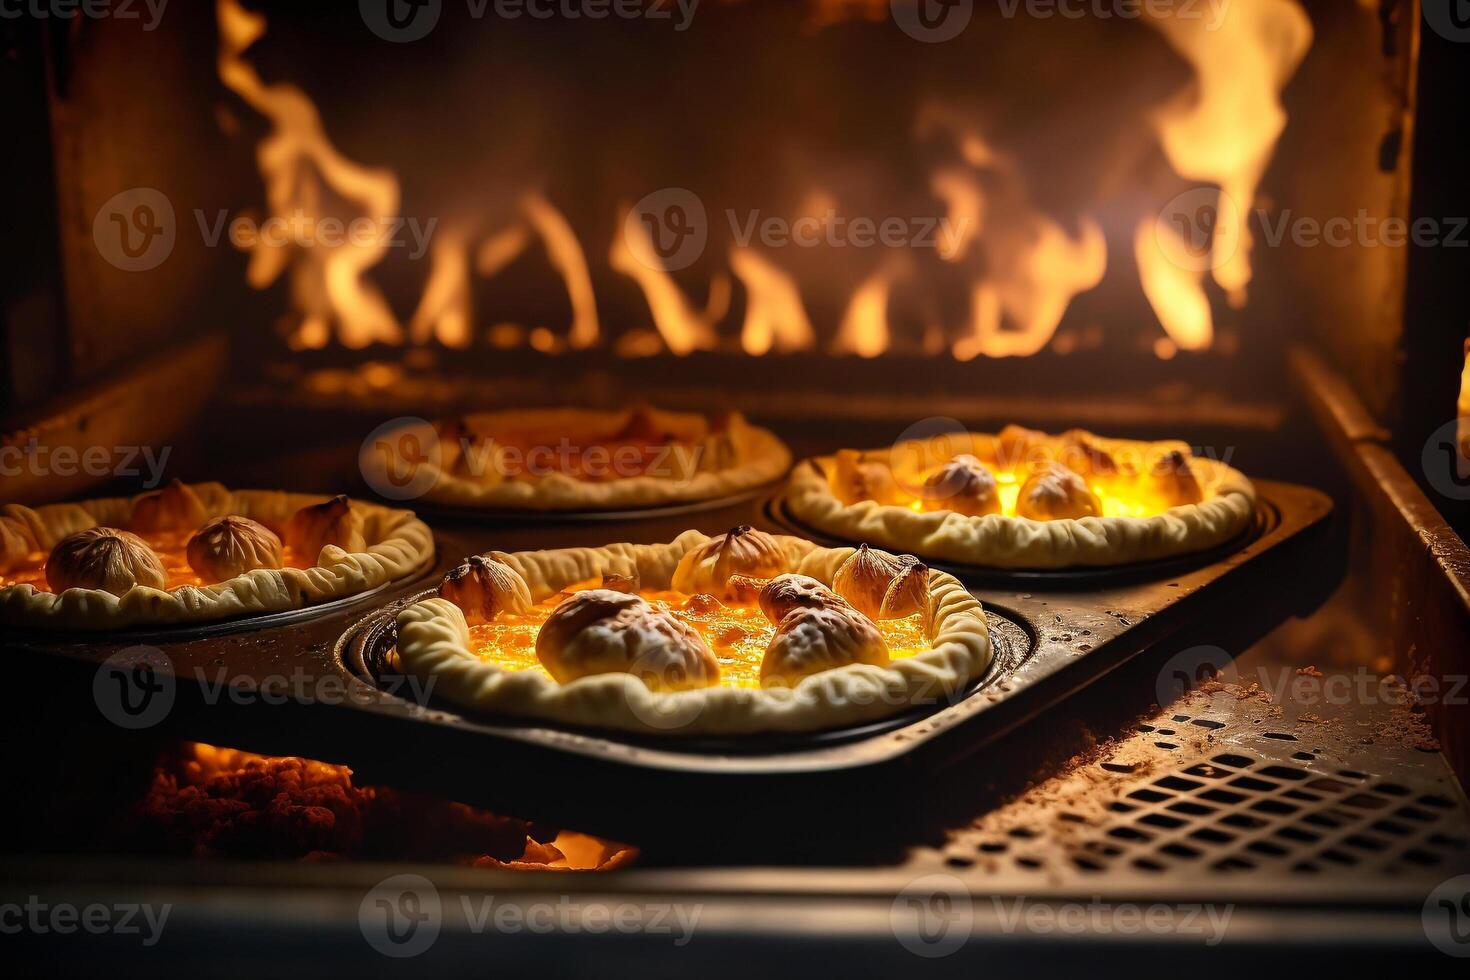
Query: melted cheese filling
pixel 738 636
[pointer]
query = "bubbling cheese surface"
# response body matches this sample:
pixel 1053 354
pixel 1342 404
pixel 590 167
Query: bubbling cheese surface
pixel 738 635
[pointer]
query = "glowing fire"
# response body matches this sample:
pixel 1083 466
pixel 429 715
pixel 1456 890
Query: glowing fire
pixel 774 316
pixel 864 329
pixel 1223 129
pixel 295 160
pixel 223 801
pixel 1020 266
pixel 1176 293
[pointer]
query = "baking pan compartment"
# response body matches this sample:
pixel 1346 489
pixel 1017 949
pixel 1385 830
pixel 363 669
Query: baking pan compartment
pixel 367 650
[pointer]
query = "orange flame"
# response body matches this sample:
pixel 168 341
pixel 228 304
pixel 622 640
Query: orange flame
pixel 1177 294
pixel 1026 266
pixel 683 328
pixel 1016 313
pixel 328 283
pixel 774 315
pixel 864 329
pixel 1224 129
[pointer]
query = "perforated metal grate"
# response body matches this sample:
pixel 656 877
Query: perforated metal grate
pixel 1194 794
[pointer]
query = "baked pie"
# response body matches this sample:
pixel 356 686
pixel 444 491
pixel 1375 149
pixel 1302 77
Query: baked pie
pixel 739 633
pixel 1025 499
pixel 196 553
pixel 576 459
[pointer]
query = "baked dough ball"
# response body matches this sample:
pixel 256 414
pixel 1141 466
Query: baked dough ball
pixel 1053 492
pixel 1172 480
pixel 787 592
pixel 315 526
pixel 721 448
pixel 739 551
pixel 867 578
pixel 1087 455
pixel 174 509
pixel 964 486
pixel 1017 447
pixel 103 558
pixel 604 632
pixel 232 545
pixel 908 593
pixel 811 639
pixel 628 584
pixel 483 587
pixel 856 479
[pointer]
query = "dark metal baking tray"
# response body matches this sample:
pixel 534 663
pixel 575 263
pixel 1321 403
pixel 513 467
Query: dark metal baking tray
pixel 621 788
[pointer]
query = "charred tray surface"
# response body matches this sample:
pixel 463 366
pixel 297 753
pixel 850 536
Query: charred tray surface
pixel 1050 642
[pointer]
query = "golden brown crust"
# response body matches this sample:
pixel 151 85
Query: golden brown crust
pixel 397 544
pixel 711 458
pixel 1222 512
pixel 434 641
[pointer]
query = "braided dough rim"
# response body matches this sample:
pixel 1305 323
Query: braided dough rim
pixel 433 642
pixel 398 545
pixel 765 459
pixel 998 541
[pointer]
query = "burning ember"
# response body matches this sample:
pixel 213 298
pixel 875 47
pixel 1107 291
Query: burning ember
pixel 1012 264
pixel 209 801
